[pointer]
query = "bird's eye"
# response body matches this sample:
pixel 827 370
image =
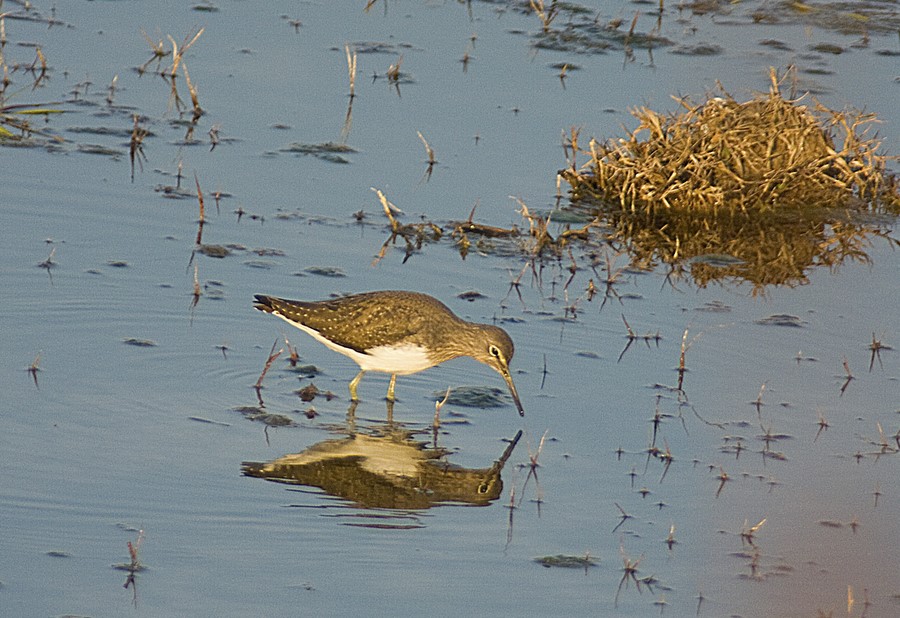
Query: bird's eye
pixel 494 350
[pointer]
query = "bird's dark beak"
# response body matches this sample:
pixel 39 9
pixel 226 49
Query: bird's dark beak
pixel 512 390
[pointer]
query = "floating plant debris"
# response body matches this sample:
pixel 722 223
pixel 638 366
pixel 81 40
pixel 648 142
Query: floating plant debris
pixel 566 562
pixel 139 343
pixel 327 151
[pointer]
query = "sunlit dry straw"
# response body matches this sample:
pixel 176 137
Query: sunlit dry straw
pixel 178 61
pixel 573 270
pixel 111 90
pixel 612 278
pixel 2 36
pixel 202 218
pixel 192 90
pixel 883 447
pixel 563 74
pixel 590 291
pixel 293 357
pixel 466 58
pixel 670 540
pixel 544 13
pixel 351 68
pixel 876 347
pixel 538 229
pixel 471 226
pixel 848 375
pixel 758 401
pixel 134 566
pixel 159 52
pixel 389 208
pixel 348 119
pixel 136 145
pixel 178 55
pixel 271 359
pixel 428 149
pixel 631 336
pixel 541 239
pixel 393 72
pixel 431 160
pixel 629 572
pixel 294 23
pixel 49 264
pixel 533 465
pixel 34 368
pixel 681 363
pixel 667 458
pixel 626 44
pixel 511 506
pixel 415 235
pixel 623 516
pixel 748 534
pixel 722 478
pixel 198 291
pixel 437 408
pixel 570 145
pixel 213 142
pixel 179 173
pixel 470 48
pixel 823 425
pixel 40 76
pixel 515 283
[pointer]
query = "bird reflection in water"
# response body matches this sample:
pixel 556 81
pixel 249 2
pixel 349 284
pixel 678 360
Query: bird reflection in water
pixel 386 468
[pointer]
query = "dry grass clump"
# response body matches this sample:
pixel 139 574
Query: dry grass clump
pixel 759 191
pixel 763 154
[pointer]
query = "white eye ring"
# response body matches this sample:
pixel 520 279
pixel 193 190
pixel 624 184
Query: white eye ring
pixel 494 350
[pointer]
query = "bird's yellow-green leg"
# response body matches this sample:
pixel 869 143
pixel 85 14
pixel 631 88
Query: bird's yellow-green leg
pixel 353 384
pixel 390 395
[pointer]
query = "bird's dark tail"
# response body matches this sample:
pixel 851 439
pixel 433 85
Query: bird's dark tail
pixel 264 303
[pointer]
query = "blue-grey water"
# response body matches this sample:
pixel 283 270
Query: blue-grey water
pixel 109 438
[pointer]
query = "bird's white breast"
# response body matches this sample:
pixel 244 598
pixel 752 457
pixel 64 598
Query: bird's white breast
pixel 403 359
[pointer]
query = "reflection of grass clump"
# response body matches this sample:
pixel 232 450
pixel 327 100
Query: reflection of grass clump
pixel 766 153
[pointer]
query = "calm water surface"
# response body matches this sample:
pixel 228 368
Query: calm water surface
pixel 117 438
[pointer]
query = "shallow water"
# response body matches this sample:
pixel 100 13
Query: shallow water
pixel 117 438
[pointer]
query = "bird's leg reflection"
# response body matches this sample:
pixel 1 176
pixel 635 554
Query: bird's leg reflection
pixel 390 410
pixel 351 416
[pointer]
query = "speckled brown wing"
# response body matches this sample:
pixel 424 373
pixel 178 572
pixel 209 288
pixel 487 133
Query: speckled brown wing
pixel 362 321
